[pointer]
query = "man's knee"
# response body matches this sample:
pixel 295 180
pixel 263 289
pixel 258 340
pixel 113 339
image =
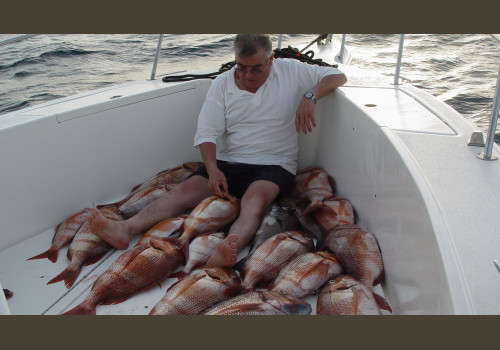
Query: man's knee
pixel 259 196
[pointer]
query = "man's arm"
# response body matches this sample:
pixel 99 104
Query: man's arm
pixel 216 178
pixel 304 116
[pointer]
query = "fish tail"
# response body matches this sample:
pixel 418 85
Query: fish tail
pixel 50 254
pixel 82 309
pixel 382 303
pixel 69 276
pixel 237 289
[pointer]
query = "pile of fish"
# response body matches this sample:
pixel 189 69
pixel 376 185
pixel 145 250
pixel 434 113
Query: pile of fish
pixel 306 244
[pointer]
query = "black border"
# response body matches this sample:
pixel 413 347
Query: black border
pixel 330 332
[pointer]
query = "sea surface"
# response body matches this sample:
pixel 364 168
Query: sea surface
pixel 459 69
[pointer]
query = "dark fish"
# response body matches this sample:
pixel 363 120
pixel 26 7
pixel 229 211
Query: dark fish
pixel 279 217
pixel 261 303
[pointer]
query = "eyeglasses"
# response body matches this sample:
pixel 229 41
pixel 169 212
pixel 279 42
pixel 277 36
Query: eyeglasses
pixel 255 70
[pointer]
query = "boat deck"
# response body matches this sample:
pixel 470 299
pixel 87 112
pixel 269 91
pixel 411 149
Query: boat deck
pixel 27 279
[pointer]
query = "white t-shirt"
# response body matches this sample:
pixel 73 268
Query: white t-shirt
pixel 258 128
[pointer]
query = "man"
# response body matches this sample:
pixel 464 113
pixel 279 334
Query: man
pixel 256 110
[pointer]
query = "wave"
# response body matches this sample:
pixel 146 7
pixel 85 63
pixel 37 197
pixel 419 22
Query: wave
pixel 44 57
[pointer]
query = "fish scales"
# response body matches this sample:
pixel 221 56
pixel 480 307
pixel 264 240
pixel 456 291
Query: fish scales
pixel 305 274
pixel 135 271
pixel 346 296
pixel 85 249
pixel 314 184
pixel 200 250
pixel 63 235
pixel 141 199
pixel 272 255
pixel 209 216
pixel 165 228
pixel 277 218
pixel 196 293
pixel 261 303
pixel 358 252
pixel 333 212
pixel 169 176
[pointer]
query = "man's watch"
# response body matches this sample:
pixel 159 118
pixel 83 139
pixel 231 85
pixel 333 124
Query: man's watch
pixel 309 95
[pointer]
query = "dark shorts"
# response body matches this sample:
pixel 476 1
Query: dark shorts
pixel 239 176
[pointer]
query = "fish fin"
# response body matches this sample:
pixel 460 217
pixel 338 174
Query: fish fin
pixel 50 254
pixel 96 258
pixel 82 309
pixel 312 207
pixel 179 274
pixel 239 265
pixel 237 289
pixel 69 276
pixel 382 303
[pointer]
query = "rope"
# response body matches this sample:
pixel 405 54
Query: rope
pixel 278 53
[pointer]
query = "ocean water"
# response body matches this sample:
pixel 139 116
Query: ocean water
pixel 459 69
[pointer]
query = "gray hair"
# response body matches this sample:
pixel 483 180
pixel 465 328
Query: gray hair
pixel 246 45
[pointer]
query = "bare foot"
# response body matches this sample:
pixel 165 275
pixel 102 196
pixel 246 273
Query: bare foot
pixel 225 254
pixel 108 230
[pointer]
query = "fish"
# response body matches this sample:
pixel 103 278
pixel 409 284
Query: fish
pixel 305 274
pixel 346 296
pixel 269 258
pixel 174 175
pixel 211 215
pixel 261 303
pixel 313 184
pixel 85 249
pixel 200 250
pixel 333 212
pixel 358 252
pixel 279 217
pixel 142 198
pixel 165 228
pixel 135 271
pixel 308 223
pixel 63 235
pixel 196 293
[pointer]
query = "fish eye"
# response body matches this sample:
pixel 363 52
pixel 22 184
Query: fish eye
pixel 281 291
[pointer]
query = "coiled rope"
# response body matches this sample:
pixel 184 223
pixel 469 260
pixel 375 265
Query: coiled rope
pixel 289 52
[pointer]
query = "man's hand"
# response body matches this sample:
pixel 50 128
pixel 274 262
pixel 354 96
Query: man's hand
pixel 216 179
pixel 304 117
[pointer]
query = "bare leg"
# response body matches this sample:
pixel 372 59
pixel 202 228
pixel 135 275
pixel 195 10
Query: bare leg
pixel 256 199
pixel 183 196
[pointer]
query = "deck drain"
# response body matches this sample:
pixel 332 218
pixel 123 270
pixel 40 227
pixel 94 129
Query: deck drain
pixel 370 105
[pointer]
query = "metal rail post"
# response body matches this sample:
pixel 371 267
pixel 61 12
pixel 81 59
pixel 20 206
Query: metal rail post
pixel 342 49
pixel 155 64
pixel 486 155
pixel 400 56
